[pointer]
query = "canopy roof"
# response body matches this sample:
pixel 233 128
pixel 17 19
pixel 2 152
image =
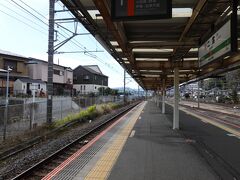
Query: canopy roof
pixel 150 49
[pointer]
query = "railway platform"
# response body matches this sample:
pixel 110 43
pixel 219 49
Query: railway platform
pixel 142 145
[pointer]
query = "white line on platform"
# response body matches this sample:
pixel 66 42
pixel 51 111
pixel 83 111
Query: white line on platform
pixel 132 133
pixel 204 121
pixel 233 135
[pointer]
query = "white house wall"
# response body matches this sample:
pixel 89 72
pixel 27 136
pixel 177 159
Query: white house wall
pixel 89 88
pixel 40 71
pixel 68 76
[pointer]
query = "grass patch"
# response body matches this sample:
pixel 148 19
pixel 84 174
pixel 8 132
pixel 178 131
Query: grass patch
pixel 89 114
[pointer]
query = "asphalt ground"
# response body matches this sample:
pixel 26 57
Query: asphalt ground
pixel 220 149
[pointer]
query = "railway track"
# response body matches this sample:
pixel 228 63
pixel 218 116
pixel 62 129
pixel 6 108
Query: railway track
pixel 42 168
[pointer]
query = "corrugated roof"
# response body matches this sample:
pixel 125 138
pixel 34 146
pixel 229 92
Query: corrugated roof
pixel 8 53
pixel 95 68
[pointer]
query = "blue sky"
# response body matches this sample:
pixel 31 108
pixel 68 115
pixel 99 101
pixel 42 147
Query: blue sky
pixel 24 34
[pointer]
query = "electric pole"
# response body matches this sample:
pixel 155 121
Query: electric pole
pixel 50 60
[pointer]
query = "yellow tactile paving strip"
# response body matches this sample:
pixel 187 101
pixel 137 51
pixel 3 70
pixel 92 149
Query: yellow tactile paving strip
pixel 104 165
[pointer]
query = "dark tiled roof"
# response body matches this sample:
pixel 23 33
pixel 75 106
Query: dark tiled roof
pixel 91 70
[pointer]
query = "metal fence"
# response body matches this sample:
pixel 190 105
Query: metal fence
pixel 26 115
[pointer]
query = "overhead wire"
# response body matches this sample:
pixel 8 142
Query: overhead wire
pixel 73 41
pixel 23 22
pixel 96 57
pixel 22 16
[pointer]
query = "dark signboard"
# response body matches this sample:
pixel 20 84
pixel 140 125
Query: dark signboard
pixel 141 9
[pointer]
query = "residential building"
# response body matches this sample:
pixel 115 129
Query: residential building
pixel 18 65
pixel 62 76
pixel 87 79
pixel 29 86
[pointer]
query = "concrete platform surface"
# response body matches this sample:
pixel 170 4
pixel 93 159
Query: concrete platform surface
pixel 156 152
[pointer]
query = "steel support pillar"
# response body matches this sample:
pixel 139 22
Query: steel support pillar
pixel 124 87
pixel 198 100
pixel 163 96
pixel 176 99
pixel 50 60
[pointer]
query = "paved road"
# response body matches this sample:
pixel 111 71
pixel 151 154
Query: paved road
pixel 218 147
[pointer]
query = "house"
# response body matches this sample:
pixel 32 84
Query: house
pixel 62 76
pixel 28 86
pixel 87 79
pixel 18 65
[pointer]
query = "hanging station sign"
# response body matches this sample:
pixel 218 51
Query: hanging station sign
pixel 220 44
pixel 141 9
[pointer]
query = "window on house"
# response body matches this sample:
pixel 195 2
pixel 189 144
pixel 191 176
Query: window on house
pixel 39 86
pixel 57 72
pixel 81 87
pixel 61 73
pixel 95 87
pixel 75 77
pixel 86 77
pixel 95 77
pixel 84 87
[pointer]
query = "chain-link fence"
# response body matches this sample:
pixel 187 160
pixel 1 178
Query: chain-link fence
pixel 26 115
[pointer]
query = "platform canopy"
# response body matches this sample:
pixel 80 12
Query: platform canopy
pixel 150 49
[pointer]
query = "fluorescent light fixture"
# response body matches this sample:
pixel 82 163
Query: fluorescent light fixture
pixel 185 71
pixel 118 49
pixel 151 50
pixel 193 50
pixel 151 59
pixel 226 57
pixel 190 59
pixel 151 75
pixel 95 14
pixel 172 76
pixel 153 71
pixel 114 43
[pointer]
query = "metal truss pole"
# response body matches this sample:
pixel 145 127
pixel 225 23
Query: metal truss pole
pixel 163 96
pixel 124 87
pixel 50 60
pixel 176 99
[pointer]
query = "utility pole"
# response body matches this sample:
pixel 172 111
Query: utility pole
pixel 124 87
pixel 6 106
pixel 50 60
